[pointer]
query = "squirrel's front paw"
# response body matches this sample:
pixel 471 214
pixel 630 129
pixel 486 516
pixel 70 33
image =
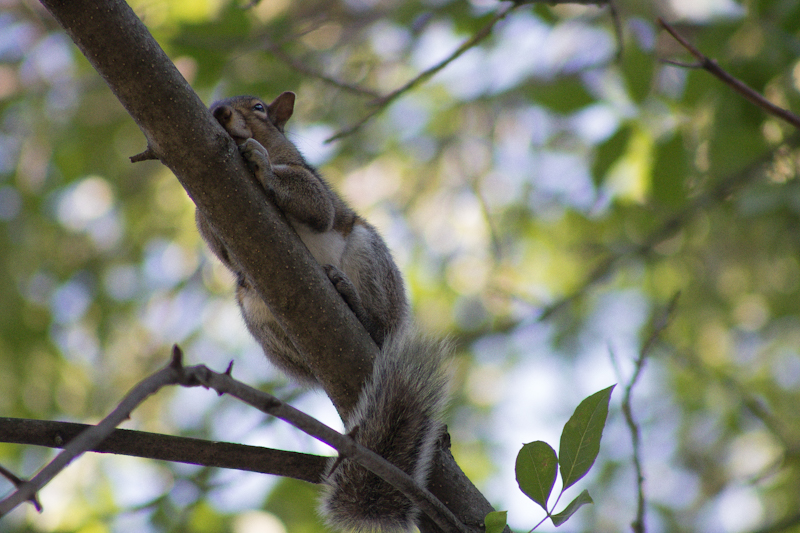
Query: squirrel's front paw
pixel 255 155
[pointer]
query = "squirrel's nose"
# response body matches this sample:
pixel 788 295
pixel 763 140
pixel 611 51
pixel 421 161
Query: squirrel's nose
pixel 222 113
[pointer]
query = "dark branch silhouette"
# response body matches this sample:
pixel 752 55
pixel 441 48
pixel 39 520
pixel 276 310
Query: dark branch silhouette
pixel 737 85
pixel 305 467
pixel 658 326
pixel 223 383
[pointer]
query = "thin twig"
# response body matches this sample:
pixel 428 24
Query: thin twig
pixel 17 481
pixel 95 434
pixel 638 524
pixel 382 103
pixel 556 2
pixel 681 64
pixel 612 9
pixel 494 235
pixel 711 66
pixel 303 68
pixel 659 325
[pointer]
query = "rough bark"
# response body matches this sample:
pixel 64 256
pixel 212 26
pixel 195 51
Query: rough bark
pixel 184 136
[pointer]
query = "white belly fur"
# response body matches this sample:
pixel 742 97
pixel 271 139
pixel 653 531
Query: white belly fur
pixel 327 248
pixel 350 255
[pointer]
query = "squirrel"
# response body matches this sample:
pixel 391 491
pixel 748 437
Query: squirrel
pixel 399 410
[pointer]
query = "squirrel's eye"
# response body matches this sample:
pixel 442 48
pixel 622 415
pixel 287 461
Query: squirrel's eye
pixel 258 107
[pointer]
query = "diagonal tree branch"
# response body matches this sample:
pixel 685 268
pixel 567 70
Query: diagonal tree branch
pixel 737 85
pixel 186 138
pixel 721 191
pixel 303 68
pixel 783 432
pixel 380 104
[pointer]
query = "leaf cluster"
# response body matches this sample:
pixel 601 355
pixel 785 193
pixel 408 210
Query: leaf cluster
pixel 537 463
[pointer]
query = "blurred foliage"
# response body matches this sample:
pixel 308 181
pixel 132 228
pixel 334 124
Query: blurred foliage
pixel 533 163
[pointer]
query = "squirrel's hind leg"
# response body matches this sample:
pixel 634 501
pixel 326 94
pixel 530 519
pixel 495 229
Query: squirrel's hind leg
pixel 350 295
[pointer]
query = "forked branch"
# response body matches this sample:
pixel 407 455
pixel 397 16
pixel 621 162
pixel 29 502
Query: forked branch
pixel 737 85
pixel 223 383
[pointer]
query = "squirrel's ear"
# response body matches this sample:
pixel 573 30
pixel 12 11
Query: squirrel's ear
pixel 281 109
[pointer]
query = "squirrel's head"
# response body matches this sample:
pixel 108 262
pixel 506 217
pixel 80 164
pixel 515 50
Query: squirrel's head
pixel 245 117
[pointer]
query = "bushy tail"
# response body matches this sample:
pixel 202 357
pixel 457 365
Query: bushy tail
pixel 399 417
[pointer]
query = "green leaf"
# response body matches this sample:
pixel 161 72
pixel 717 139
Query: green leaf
pixel 495 521
pixel 545 13
pixel 563 95
pixel 671 167
pixel 580 440
pixel 536 471
pixel 637 66
pixel 609 152
pixel 629 178
pixel 582 499
pixel 736 139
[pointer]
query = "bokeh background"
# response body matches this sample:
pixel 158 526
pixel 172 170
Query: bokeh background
pixel 547 194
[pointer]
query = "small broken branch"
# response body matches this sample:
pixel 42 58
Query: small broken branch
pixel 17 481
pixel 147 155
